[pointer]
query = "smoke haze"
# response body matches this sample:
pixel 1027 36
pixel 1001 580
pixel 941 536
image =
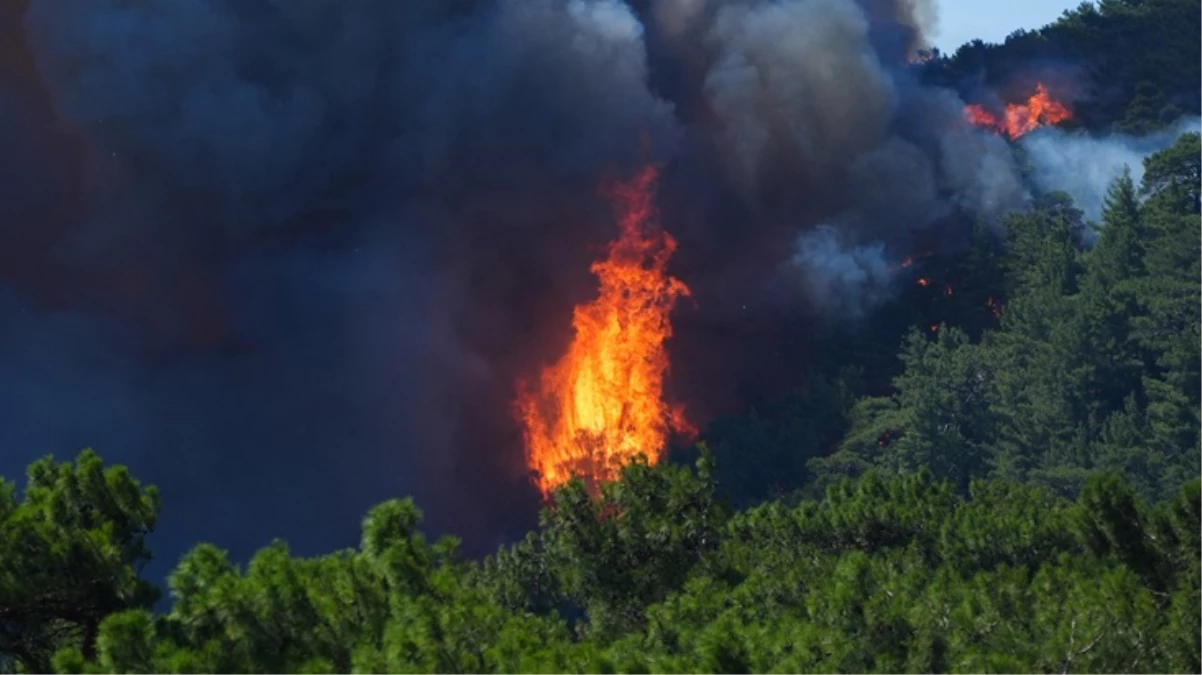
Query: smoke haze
pixel 287 259
pixel 1085 167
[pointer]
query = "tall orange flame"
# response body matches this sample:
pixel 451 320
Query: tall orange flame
pixel 602 403
pixel 1021 118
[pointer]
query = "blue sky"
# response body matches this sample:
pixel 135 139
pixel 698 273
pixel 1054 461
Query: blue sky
pixel 992 20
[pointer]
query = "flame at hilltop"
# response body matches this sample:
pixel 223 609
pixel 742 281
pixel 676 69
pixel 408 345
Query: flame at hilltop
pixel 602 403
pixel 1020 119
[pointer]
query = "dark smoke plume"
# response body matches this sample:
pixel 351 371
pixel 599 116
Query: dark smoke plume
pixel 287 258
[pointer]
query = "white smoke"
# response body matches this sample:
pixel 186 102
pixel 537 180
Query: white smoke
pixel 1085 167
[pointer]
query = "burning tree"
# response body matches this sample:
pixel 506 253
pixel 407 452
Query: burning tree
pixel 1019 119
pixel 601 404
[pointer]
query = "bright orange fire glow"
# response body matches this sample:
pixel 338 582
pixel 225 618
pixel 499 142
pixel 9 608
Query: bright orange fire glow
pixel 602 403
pixel 923 281
pixel 1021 118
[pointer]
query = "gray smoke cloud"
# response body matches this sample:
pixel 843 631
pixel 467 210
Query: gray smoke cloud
pixel 1084 167
pixel 796 82
pixel 815 123
pixel 845 280
pixel 288 258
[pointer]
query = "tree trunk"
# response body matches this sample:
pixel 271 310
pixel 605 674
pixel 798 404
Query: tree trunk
pixel 91 628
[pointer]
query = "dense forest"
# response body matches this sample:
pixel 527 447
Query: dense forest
pixel 1001 476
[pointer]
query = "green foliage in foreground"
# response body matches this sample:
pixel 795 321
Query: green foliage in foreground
pixel 70 553
pixel 654 575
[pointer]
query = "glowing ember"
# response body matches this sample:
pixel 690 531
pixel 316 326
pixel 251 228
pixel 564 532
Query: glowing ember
pixel 909 261
pixel 993 305
pixel 923 281
pixel 1021 118
pixel 601 404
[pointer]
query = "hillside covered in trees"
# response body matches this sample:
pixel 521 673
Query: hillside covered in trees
pixel 1023 356
pixel 1001 476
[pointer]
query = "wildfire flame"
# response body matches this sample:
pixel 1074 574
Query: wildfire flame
pixel 1021 118
pixel 602 403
